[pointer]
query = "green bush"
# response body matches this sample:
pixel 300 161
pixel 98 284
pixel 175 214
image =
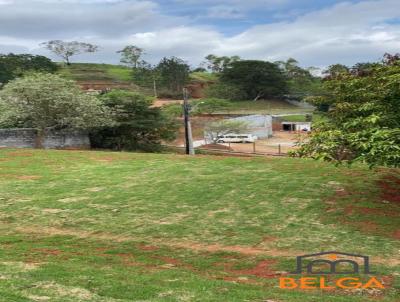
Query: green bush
pixel 173 110
pixel 225 91
pixel 136 125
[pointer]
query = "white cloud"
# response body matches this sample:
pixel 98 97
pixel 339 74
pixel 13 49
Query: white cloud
pixel 345 33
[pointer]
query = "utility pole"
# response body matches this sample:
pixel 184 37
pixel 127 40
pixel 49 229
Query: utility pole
pixel 155 88
pixel 188 128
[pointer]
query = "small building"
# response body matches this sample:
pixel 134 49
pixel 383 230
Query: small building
pixel 296 126
pixel 259 125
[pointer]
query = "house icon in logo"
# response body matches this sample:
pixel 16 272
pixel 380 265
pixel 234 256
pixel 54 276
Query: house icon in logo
pixel 333 263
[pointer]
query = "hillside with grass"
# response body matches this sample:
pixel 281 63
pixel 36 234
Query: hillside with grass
pixel 98 76
pixel 102 76
pixel 102 226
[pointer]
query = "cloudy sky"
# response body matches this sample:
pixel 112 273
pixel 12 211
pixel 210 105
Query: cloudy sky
pixel 315 32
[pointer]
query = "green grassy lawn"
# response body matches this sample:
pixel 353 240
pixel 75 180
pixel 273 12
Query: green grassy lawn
pixel 98 72
pixel 102 226
pixel 203 77
pixel 263 107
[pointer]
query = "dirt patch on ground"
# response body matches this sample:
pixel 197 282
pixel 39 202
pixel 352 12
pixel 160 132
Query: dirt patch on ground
pixel 73 199
pixel 149 248
pixel 128 259
pixel 370 211
pixel 105 159
pixel 163 102
pixel 396 234
pixel 366 217
pixel 245 250
pixel 194 246
pixel 261 270
pixel 390 188
pixel 49 252
pixel 19 154
pixel 29 177
pixel 216 147
pixel 169 260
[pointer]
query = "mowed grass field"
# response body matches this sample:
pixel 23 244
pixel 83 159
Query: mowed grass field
pixel 102 226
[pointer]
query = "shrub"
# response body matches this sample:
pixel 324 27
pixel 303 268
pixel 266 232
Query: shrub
pixel 225 91
pixel 136 125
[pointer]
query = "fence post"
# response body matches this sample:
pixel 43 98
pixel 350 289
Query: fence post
pixel 279 148
pixel 254 147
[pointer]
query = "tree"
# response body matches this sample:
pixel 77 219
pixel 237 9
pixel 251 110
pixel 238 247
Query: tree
pixel 136 125
pixel 46 102
pixel 301 83
pixel 335 70
pixel 173 73
pixel 13 66
pixel 225 91
pixel 218 64
pixel 216 129
pixel 258 79
pixel 200 69
pixel 66 50
pixel 363 123
pixel 389 59
pixel 131 55
pixel 147 76
pixel 363 69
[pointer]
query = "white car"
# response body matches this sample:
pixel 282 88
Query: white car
pixel 237 138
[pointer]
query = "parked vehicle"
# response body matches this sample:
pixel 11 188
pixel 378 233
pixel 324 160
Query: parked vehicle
pixel 237 138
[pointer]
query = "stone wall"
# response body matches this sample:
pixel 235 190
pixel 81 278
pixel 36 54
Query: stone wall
pixel 27 138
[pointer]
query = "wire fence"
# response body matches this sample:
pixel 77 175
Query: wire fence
pixel 275 151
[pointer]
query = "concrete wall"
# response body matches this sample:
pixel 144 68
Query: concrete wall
pixel 26 138
pixel 260 125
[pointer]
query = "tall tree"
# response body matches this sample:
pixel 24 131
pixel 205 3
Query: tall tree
pixel 301 83
pixel 66 50
pixel 174 74
pixel 218 64
pixel 131 55
pixel 258 79
pixel 335 70
pixel 45 102
pixel 363 123
pixel 13 65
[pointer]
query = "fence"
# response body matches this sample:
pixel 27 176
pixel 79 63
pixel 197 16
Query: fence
pixel 275 151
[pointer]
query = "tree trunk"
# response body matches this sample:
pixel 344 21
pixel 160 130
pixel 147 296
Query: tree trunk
pixel 40 134
pixel 258 96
